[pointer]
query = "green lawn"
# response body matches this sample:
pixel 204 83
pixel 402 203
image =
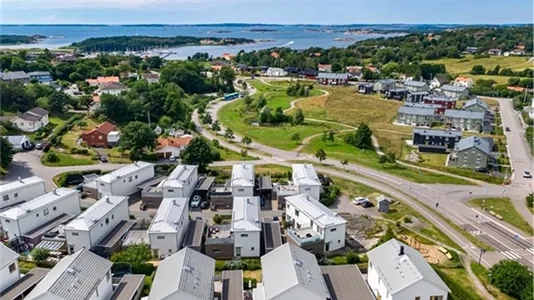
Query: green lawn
pixel 464 65
pixel 505 208
pixel 483 275
pixel 69 160
pixel 369 158
pixel 458 281
pixel 229 155
pixel 529 135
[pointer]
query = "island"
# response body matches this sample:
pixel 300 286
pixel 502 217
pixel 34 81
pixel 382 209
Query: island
pixel 143 43
pixel 262 30
pixel 11 39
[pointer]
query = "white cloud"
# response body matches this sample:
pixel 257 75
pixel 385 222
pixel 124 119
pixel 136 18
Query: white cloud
pixel 124 4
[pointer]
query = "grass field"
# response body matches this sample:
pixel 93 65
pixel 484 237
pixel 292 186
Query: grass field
pixel 483 275
pixel 68 141
pixel 464 65
pixel 506 209
pixel 276 92
pixel 458 281
pixel 69 160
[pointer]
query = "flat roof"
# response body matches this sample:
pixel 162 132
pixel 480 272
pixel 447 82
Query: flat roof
pixel 346 283
pixel 178 176
pixel 135 237
pixel 127 287
pixel 87 219
pixel 206 183
pixel 246 214
pixel 22 285
pixel 46 227
pixel 271 233
pixel 116 234
pixel 315 210
pixel 125 171
pixel 232 285
pixel 20 183
pixel 38 203
pixel 194 234
pixel 265 183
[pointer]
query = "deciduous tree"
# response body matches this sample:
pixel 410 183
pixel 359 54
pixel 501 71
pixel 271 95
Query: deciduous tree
pixel 137 136
pixel 198 152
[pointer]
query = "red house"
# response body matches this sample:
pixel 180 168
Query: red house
pixel 443 101
pixel 98 137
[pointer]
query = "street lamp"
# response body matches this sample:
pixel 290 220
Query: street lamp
pixel 482 251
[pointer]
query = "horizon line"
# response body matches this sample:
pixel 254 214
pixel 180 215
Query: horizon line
pixel 262 24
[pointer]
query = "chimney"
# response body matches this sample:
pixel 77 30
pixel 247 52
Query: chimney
pixel 20 179
pixel 401 251
pixel 55 192
pixel 107 199
pixel 135 163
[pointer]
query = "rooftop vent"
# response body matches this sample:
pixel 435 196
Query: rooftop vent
pixel 257 221
pixel 298 263
pixel 401 251
pixel 28 210
pixel 108 200
pixel 54 191
pixel 20 179
pixel 94 220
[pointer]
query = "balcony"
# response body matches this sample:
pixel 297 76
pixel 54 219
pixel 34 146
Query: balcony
pixel 304 236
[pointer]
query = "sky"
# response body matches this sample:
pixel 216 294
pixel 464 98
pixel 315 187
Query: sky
pixel 266 11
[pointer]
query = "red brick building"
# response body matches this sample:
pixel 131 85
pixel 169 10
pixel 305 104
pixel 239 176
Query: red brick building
pixel 98 137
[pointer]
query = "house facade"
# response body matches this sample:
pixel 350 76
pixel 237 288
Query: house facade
pixel 242 180
pixel 419 280
pixel 98 137
pixel 433 140
pixel 90 227
pixel 19 142
pixel 124 181
pixel 332 78
pixel 464 82
pixel 473 153
pixel 415 116
pixel 9 267
pixel 276 72
pixel 42 77
pixel 26 217
pixel 21 190
pixel 168 227
pixel 32 120
pixel 383 85
pixel 151 77
pixel 172 146
pixel 305 178
pixel 415 86
pixel 246 226
pixel 464 120
pixel 453 91
pixel 437 82
pixel 314 227
pixel 478 105
pixel 416 97
pixel 443 101
pixel 437 108
pixel 113 88
pixel 181 182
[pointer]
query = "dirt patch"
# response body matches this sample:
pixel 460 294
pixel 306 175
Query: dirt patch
pixel 252 274
pixel 314 103
pixel 413 156
pixel 361 231
pixel 429 252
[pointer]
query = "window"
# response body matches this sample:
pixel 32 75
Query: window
pixel 130 179
pixel 479 156
pixel 251 248
pixel 37 215
pixel 99 137
pixel 45 211
pixel 75 234
pixel 7 221
pixel 241 190
pixel 238 251
pixel 307 189
pixel 339 241
pixel 107 221
pixel 108 276
pixel 288 205
pixel 216 251
pixel 171 191
pixel 477 164
pixel 101 184
pixel 12 267
pixel 298 226
pixel 135 176
pixel 311 224
pixel 436 297
pixel 170 250
pixel 244 235
pixel 296 212
pixel 101 224
pixel 16 195
pixel 161 237
pixel 417 298
pixel 112 217
pixel 333 229
pixel 6 197
pixel 54 208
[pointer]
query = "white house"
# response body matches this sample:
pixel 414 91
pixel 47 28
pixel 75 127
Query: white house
pixel 275 72
pixel 242 181
pixel 397 271
pixel 185 275
pixel 311 221
pixel 9 267
pixel 306 179
pixel 32 120
pixel 169 226
pixel 464 81
pixel 91 226
pixel 19 142
pixel 82 275
pixel 30 215
pixel 181 182
pixel 124 181
pixel 21 190
pixel 291 273
pixel 246 226
pixel 112 88
pixel 172 146
pixel 438 81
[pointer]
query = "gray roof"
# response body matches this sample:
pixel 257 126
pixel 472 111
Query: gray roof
pixel 463 114
pixel 7 256
pixel 453 88
pixel 18 75
pixel 382 198
pixel 75 277
pixel 474 141
pixel 346 283
pixel 414 83
pixel 435 97
pixel 186 272
pixel 419 93
pixel 28 116
pixel 16 140
pixel 437 132
pixel 39 73
pixel 289 266
pixel 38 111
pixel 386 81
pixel 416 111
pixel 401 271
pixel 477 101
pixel 333 76
pixel 421 105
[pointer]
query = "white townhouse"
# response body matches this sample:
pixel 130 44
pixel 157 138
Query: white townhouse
pixel 314 223
pixel 21 190
pixel 28 216
pixel 80 276
pixel 124 181
pixel 185 275
pixel 32 120
pixel 97 221
pixel 306 179
pixel 290 273
pixel 275 72
pixel 9 267
pixel 246 226
pixel 397 271
pixel 169 226
pixel 242 181
pixel 181 182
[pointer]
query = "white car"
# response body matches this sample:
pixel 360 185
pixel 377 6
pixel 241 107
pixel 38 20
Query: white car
pixel 526 174
pixel 359 200
pixel 172 159
pixel 195 202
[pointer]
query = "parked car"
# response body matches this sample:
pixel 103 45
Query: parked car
pixel 367 204
pixel 204 205
pixel 195 202
pixel 275 219
pixel 198 218
pixel 46 147
pixel 172 159
pixel 507 129
pixel 39 146
pixel 103 159
pixel 51 234
pixel 526 174
pixel 359 200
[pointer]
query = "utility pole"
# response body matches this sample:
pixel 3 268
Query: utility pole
pixel 149 119
pixel 482 251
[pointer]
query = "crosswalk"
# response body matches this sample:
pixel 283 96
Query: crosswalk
pixel 530 250
pixel 514 255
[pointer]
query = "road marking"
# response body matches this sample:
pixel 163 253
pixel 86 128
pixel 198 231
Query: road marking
pixel 431 189
pixel 497 223
pixel 511 255
pixel 530 250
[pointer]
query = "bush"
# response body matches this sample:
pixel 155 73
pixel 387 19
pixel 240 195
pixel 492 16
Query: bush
pixel 61 179
pixel 143 268
pixel 153 156
pixel 79 151
pixel 51 157
pixel 247 285
pixel 220 265
pixel 530 200
pixel 511 277
pixel 352 258
pixel 40 254
pixel 217 219
pixel 407 219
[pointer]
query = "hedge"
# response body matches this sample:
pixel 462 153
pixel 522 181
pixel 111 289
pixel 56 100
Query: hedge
pixel 144 268
pixel 61 179
pixel 253 281
pixel 247 264
pixel 55 137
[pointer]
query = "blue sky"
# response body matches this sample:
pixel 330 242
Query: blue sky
pixel 265 11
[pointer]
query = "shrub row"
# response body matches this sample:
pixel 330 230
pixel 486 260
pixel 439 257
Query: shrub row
pixel 55 137
pixel 61 179
pixel 248 264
